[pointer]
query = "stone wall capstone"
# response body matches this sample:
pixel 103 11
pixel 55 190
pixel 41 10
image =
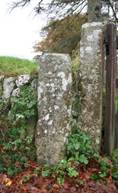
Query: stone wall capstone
pixel 91 80
pixel 10 86
pixel 54 106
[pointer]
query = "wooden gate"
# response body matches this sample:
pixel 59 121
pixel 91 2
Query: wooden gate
pixel 110 116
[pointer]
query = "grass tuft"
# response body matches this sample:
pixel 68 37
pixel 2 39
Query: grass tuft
pixel 13 66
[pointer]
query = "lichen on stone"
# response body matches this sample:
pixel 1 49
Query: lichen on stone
pixel 54 104
pixel 91 80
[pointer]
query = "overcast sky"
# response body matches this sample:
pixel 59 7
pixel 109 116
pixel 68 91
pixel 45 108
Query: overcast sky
pixel 19 30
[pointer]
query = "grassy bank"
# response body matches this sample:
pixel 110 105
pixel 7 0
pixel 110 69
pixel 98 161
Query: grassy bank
pixel 13 65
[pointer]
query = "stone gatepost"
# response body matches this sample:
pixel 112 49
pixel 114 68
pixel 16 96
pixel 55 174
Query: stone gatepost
pixel 91 79
pixel 116 130
pixel 54 106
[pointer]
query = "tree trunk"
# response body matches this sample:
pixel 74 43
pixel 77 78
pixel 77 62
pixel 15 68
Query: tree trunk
pixel 94 10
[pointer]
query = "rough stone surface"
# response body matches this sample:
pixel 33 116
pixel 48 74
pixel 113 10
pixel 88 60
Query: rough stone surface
pixel 9 94
pixel 116 130
pixel 54 106
pixel 22 80
pixel 117 60
pixel 8 86
pixel 16 92
pixel 34 83
pixel 91 80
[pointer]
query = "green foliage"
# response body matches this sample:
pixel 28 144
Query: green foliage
pixel 115 164
pixel 115 157
pixel 105 167
pixel 17 146
pixel 16 151
pixel 115 173
pixel 116 104
pixel 12 66
pixel 75 61
pixel 4 107
pixel 79 151
pixel 60 170
pixel 80 147
pixel 4 121
pixel 24 107
pixel 65 166
pixel 26 178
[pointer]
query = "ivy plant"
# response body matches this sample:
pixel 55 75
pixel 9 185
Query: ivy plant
pixel 16 147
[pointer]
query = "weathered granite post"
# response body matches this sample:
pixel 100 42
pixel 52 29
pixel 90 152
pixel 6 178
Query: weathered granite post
pixel 54 106
pixel 116 129
pixel 91 79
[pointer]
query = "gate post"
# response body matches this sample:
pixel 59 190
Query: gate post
pixel 91 72
pixel 54 106
pixel 111 63
pixel 116 117
pixel 116 126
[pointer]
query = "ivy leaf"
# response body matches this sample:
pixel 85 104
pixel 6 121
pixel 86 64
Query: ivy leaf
pixel 83 159
pixel 72 172
pixel 77 146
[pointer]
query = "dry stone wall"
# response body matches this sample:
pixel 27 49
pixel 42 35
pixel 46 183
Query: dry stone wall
pixel 10 86
pixel 10 91
pixel 54 104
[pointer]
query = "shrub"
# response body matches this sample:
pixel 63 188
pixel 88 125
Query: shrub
pixel 62 35
pixel 80 147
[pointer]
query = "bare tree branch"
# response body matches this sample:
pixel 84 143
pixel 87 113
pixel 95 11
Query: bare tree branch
pixel 61 7
pixel 114 13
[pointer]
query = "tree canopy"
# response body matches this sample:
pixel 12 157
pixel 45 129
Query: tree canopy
pixel 62 35
pixel 67 7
